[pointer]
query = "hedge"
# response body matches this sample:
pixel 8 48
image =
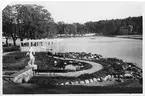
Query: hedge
pixel 11 48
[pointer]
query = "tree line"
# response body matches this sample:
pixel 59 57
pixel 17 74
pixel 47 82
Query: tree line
pixel 35 22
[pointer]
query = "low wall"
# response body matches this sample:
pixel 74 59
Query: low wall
pixel 23 75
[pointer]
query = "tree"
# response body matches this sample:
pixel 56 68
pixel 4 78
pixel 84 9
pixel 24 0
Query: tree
pixel 81 29
pixel 138 24
pixel 34 20
pixel 61 26
pixel 74 26
pixel 9 24
pixel 89 27
pixel 110 29
pixel 25 21
pixel 53 30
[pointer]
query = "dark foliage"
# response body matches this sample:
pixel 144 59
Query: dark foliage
pixel 11 48
pixel 27 22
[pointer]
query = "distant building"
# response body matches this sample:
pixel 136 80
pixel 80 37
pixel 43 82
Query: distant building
pixel 126 30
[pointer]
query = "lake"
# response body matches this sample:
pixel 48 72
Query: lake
pixel 129 50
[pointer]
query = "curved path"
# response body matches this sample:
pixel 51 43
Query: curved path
pixel 95 67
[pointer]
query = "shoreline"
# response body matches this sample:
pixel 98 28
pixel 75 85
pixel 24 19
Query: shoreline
pixel 139 37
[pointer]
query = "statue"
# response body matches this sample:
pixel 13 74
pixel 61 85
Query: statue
pixel 31 54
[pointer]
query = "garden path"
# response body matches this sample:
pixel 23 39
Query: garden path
pixel 95 67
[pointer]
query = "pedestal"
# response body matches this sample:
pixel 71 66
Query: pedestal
pixel 34 66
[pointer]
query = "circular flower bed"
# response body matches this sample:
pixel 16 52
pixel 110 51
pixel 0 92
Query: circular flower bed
pixel 46 62
pixel 116 68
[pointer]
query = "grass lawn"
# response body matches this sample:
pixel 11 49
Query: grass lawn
pixel 15 61
pixel 12 88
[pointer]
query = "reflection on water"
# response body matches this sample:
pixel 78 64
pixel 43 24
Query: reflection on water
pixel 127 49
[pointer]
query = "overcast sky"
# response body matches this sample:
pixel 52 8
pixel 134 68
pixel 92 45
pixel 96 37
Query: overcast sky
pixel 81 12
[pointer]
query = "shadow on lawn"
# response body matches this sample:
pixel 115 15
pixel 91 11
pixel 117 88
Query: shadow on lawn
pixel 66 89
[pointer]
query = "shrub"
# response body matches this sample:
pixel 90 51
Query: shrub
pixel 11 48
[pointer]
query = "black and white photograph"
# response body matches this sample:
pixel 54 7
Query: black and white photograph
pixel 72 47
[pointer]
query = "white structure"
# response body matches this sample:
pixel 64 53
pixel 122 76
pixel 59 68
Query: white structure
pixel 43 45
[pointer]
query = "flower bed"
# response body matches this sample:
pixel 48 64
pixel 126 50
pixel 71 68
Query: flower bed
pixel 46 62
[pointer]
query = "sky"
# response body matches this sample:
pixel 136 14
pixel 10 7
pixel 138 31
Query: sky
pixel 84 11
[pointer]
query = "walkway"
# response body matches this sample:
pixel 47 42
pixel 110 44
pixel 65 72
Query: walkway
pixel 95 67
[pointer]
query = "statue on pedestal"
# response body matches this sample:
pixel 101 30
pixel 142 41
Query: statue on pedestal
pixel 31 54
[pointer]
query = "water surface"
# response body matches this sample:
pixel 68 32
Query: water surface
pixel 127 49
